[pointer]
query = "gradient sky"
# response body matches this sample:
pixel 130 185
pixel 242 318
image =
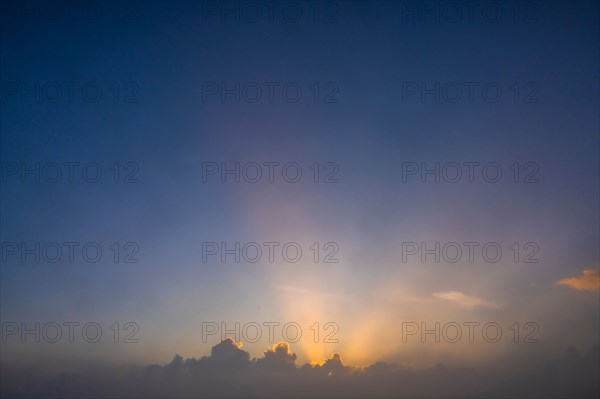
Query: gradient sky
pixel 168 51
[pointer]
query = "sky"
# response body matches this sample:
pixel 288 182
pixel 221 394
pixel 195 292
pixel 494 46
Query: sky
pixel 323 188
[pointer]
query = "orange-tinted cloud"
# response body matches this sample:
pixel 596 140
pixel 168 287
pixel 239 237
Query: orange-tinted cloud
pixel 589 280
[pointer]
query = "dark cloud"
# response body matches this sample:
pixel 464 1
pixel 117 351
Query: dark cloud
pixel 278 358
pixel 230 372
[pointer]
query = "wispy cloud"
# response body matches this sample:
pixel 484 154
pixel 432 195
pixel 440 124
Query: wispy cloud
pixel 463 300
pixel 588 281
pixel 303 291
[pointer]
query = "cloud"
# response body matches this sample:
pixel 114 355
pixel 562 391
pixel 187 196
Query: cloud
pixel 229 372
pixel 463 300
pixel 229 354
pixel 588 281
pixel 303 291
pixel 278 358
